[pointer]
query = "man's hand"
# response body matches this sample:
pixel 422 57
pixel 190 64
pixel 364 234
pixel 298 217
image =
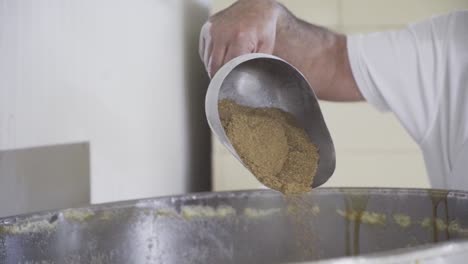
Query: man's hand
pixel 247 26
pixel 266 26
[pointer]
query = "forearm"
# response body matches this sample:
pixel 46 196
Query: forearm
pixel 320 54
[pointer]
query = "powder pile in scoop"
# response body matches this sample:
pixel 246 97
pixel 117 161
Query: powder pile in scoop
pixel 273 147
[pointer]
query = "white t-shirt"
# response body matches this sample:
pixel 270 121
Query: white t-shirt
pixel 420 74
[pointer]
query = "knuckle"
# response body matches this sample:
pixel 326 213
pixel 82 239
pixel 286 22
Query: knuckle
pixel 250 45
pixel 241 35
pixel 206 28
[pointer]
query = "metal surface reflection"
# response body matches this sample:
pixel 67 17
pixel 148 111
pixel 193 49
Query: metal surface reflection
pixel 237 227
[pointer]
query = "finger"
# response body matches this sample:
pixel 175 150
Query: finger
pixel 235 50
pixel 201 45
pixel 217 58
pixel 205 43
pixel 207 54
pixel 266 47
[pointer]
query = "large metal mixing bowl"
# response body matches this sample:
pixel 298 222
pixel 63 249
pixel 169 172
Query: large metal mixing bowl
pixel 238 227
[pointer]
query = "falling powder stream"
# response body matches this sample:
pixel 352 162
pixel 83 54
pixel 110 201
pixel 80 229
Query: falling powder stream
pixel 281 156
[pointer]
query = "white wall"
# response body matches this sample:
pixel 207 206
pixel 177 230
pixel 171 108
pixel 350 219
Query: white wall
pixel 372 148
pixel 112 73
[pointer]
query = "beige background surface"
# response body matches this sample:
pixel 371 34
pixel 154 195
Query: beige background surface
pixel 372 148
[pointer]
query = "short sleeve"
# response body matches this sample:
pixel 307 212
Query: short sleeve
pixel 403 71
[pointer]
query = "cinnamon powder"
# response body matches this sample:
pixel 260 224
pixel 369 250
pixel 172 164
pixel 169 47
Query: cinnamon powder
pixel 272 146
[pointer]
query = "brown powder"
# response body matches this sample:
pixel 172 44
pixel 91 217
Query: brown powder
pixel 271 144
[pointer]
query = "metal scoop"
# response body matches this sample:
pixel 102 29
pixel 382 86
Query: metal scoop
pixel 261 80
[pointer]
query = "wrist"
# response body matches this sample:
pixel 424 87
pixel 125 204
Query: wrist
pixel 314 50
pixel 284 23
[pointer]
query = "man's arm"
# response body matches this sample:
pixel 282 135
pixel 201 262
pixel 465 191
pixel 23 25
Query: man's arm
pixel 265 26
